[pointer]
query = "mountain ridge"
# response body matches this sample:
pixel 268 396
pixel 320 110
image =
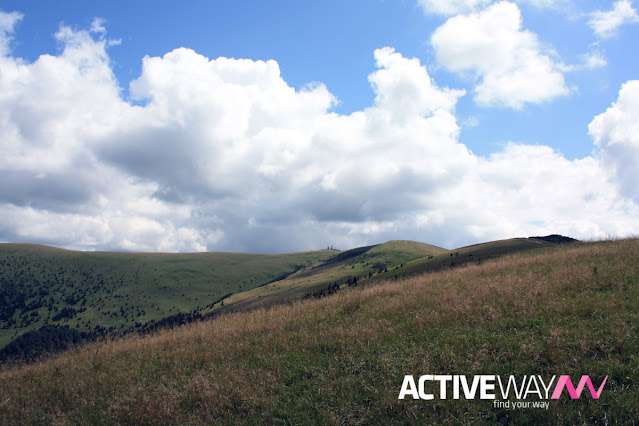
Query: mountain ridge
pixel 101 293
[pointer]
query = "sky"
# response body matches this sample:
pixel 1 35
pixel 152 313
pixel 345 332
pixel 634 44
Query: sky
pixel 287 126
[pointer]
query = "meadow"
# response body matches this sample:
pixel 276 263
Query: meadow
pixel 51 297
pixel 569 309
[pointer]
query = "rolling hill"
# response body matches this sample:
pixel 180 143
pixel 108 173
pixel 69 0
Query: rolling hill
pixel 358 263
pixel 476 253
pixel 366 265
pixel 97 294
pixel 91 291
pixel 569 309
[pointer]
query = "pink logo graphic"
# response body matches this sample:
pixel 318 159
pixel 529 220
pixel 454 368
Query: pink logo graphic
pixel 576 393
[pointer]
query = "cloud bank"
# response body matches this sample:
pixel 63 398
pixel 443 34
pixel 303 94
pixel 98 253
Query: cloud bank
pixel 223 154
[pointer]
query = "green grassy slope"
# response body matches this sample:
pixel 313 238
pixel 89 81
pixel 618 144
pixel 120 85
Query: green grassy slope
pixel 391 260
pixel 98 291
pixel 356 263
pixel 44 285
pixel 475 253
pixel 571 309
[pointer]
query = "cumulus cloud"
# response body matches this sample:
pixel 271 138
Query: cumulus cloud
pixel 222 154
pixel 605 24
pixel 616 133
pixel 55 190
pixel 506 60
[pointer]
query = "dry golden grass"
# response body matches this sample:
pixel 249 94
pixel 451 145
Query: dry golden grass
pixel 341 359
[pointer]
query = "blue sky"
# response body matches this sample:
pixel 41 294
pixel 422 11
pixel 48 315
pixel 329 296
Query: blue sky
pixel 527 81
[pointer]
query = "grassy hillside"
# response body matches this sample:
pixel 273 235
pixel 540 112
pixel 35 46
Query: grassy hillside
pixel 98 293
pixel 569 309
pixel 475 253
pixel 108 290
pixel 357 263
pixel 366 265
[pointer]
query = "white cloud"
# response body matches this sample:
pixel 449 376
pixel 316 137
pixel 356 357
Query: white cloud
pixel 470 122
pixel 225 155
pixel 413 92
pixel 589 61
pixel 533 187
pixel 454 7
pixel 506 60
pixel 605 24
pixel 542 3
pixel 458 7
pixel 594 60
pixel 8 21
pixel 98 26
pixel 616 133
